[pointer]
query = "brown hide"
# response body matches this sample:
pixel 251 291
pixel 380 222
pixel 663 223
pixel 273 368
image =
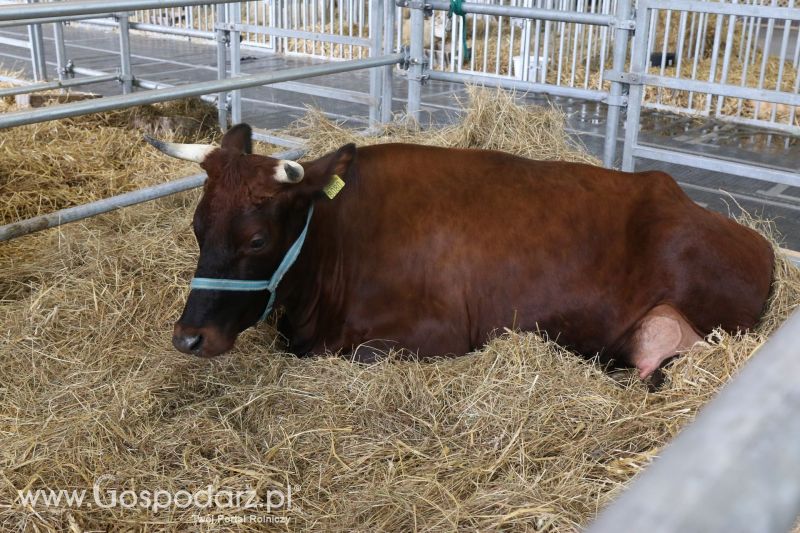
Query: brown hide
pixel 433 250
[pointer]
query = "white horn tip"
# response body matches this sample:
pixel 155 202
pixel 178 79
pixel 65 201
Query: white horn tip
pixel 189 152
pixel 288 172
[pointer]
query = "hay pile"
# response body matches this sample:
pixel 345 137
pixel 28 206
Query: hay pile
pixel 521 435
pixel 53 165
pixel 492 121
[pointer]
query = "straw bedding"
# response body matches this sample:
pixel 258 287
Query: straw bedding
pixel 53 165
pixel 521 435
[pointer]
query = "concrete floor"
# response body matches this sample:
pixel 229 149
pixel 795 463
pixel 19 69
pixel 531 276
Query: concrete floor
pixel 178 61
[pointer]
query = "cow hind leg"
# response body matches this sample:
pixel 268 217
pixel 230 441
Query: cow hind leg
pixel 661 334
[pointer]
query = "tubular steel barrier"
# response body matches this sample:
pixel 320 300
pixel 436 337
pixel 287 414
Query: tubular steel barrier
pixel 110 103
pixel 547 27
pixel 155 28
pixel 35 87
pixel 520 12
pixel 233 27
pixel 36 40
pixel 90 7
pixel 566 43
pixel 227 31
pixel 716 88
pixel 47 20
pixel 418 72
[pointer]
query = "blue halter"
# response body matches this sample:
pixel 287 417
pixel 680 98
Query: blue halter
pixel 271 285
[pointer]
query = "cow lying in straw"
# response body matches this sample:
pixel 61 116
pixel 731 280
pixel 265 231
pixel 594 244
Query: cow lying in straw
pixel 432 250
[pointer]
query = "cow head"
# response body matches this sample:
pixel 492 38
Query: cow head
pixel 252 209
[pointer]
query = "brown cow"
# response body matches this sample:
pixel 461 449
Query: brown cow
pixel 433 250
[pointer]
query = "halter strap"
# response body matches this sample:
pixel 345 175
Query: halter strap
pixel 271 285
pixel 214 284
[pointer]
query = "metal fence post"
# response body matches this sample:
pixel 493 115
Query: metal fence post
pixel 389 11
pixel 417 59
pixel 235 17
pixel 526 44
pixel 36 40
pixel 222 70
pixel 126 76
pixel 615 98
pixel 376 21
pixel 61 51
pixel 636 89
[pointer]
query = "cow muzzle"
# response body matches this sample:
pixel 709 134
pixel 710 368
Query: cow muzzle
pixel 201 342
pixel 187 343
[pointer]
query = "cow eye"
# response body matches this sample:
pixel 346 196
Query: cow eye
pixel 257 242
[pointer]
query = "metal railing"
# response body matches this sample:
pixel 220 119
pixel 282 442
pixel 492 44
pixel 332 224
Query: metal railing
pixel 572 54
pixel 326 29
pixel 712 92
pixel 538 82
pixel 310 28
pixel 761 52
pixel 754 44
pixel 17 11
pixel 49 85
pixel 227 82
pixel 559 41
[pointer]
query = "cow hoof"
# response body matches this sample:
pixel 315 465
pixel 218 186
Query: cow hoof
pixel 623 376
pixel 656 380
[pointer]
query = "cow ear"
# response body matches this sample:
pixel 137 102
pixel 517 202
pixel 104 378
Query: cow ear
pixel 320 172
pixel 239 139
pixel 344 157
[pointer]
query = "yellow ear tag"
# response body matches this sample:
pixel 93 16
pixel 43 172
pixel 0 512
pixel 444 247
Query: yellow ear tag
pixel 332 189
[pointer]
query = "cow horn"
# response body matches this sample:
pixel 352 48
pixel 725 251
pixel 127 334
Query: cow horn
pixel 289 172
pixel 189 152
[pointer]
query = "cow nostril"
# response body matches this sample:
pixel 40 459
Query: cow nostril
pixel 194 342
pixel 187 343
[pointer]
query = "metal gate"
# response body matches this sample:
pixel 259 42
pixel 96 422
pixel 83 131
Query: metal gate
pixel 543 49
pixel 577 55
pixel 724 94
pixel 707 59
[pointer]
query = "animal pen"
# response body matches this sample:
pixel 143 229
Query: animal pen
pixel 730 470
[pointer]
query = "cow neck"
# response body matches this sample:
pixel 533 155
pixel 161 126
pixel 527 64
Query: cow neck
pixel 314 281
pixel 288 286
